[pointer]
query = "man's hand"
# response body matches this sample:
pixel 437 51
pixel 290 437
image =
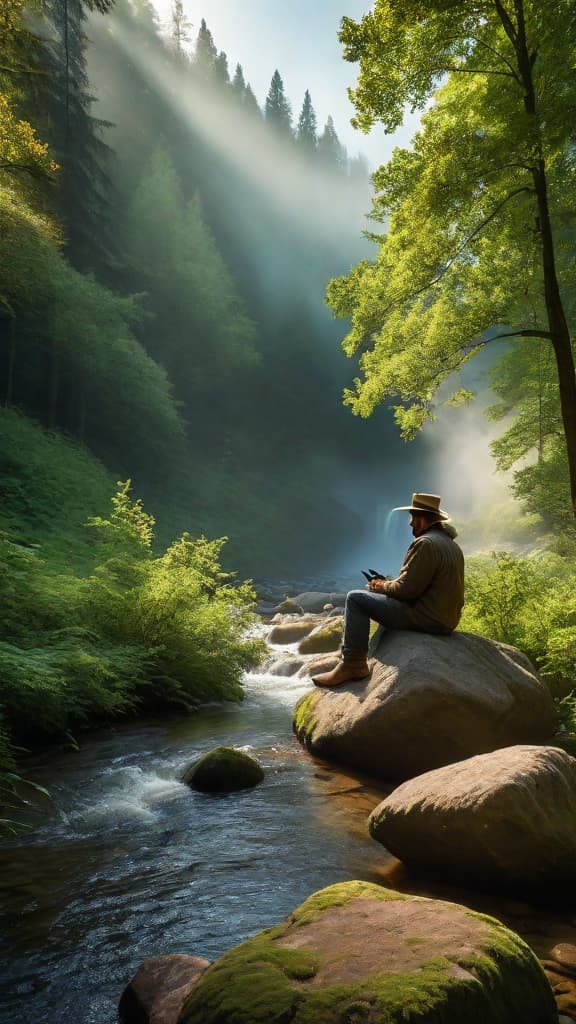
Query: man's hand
pixel 376 586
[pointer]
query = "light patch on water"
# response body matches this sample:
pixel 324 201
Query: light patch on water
pixel 282 690
pixel 129 792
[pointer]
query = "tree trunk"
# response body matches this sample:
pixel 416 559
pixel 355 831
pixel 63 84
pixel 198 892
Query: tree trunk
pixel 557 322
pixel 559 330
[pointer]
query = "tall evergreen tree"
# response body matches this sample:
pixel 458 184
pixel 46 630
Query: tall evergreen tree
pixel 238 83
pixel 60 103
pixel 180 28
pixel 221 73
pixel 206 54
pixel 250 102
pixel 277 111
pixel 330 148
pixel 306 133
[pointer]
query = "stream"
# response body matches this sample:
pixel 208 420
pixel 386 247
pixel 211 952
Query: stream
pixel 126 862
pixel 130 863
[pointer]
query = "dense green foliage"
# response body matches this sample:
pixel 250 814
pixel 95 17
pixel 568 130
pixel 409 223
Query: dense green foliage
pixel 530 603
pixel 139 628
pixel 478 236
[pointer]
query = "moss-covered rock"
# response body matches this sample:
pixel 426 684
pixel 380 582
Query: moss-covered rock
pixel 356 953
pixel 224 770
pixel 326 637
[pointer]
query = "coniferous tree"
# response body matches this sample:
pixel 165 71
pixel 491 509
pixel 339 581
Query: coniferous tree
pixel 278 112
pixel 180 26
pixel 250 102
pixel 238 83
pixel 330 148
pixel 206 54
pixel 60 104
pixel 306 133
pixel 221 73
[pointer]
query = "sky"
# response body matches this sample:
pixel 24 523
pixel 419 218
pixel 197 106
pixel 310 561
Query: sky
pixel 300 39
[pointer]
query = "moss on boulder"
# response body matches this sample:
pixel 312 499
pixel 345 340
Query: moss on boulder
pixel 325 638
pixel 356 953
pixel 224 770
pixel 429 701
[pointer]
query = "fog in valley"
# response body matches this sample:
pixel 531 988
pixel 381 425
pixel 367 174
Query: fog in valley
pixel 303 486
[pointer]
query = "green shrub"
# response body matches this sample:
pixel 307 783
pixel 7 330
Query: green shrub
pixel 529 603
pixel 141 627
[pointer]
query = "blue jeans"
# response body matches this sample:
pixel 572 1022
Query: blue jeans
pixel 363 605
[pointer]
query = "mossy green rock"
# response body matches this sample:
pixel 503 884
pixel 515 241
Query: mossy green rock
pixel 324 638
pixel 224 770
pixel 356 953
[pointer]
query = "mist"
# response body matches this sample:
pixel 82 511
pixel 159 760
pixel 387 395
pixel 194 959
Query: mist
pixel 284 224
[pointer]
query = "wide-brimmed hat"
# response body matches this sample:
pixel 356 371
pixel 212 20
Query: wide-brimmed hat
pixel 425 503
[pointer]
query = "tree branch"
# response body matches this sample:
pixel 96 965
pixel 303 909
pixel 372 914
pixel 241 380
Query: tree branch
pixel 468 239
pixel 499 55
pixel 522 332
pixel 507 23
pixel 456 70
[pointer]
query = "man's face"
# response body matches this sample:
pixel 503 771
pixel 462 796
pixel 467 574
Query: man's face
pixel 419 523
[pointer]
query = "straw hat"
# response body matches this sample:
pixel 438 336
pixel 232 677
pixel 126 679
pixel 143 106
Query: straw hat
pixel 425 503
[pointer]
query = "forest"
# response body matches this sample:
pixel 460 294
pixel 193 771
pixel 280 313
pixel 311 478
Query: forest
pixel 171 376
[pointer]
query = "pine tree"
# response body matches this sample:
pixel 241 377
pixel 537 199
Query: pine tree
pixel 206 54
pixel 250 102
pixel 330 148
pixel 238 83
pixel 278 112
pixel 59 102
pixel 221 73
pixel 180 28
pixel 306 133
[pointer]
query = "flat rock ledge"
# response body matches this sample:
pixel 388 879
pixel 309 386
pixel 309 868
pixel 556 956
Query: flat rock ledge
pixel 430 701
pixel 508 817
pixel 159 989
pixel 361 954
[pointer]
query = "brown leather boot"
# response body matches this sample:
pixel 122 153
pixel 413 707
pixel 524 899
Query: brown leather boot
pixel 352 667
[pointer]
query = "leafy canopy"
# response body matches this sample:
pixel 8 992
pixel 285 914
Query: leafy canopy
pixel 460 251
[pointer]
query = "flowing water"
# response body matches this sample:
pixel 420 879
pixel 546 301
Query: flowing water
pixel 130 863
pixel 127 863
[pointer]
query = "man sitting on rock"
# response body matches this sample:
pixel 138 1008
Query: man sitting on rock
pixel 427 595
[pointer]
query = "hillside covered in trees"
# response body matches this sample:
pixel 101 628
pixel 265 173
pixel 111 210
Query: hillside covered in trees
pixel 164 248
pixel 166 245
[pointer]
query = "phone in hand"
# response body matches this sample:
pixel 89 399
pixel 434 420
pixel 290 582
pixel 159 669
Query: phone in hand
pixel 372 574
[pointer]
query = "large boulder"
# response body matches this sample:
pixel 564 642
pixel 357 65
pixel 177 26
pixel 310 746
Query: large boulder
pixel 159 989
pixel 324 638
pixel 356 953
pixel 507 817
pixel 430 700
pixel 223 770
